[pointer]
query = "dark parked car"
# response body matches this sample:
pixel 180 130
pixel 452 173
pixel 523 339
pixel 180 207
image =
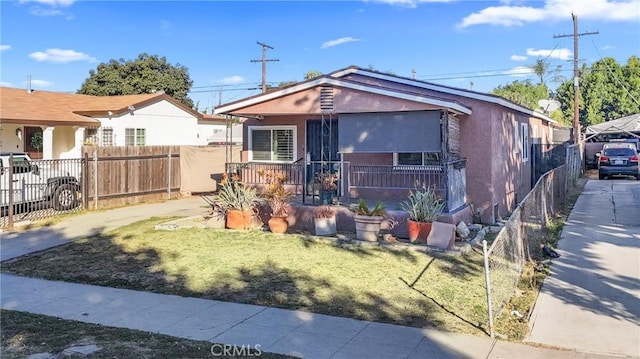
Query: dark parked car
pixel 618 159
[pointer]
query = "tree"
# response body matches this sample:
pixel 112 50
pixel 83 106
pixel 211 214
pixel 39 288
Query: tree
pixel 540 69
pixel 523 93
pixel 145 74
pixel 607 91
pixel 312 74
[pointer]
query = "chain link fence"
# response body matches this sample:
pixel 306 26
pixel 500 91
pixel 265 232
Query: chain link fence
pixel 522 235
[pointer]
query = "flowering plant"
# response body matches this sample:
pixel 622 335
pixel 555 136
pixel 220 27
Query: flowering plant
pixel 277 196
pixel 328 181
pixel 325 211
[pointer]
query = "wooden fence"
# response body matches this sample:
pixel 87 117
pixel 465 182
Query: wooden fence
pixel 129 175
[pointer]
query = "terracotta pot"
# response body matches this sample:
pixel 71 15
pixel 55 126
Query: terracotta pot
pixel 278 224
pixel 325 226
pixel 367 227
pixel 418 231
pixel 237 219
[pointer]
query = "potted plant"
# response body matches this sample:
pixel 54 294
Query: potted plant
pixel 328 186
pixel 278 198
pixel 368 220
pixel 237 202
pixel 423 206
pixel 325 221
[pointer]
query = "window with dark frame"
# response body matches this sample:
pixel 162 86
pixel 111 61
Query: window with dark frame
pixel 418 159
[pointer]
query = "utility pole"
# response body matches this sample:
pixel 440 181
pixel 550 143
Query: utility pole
pixel 264 64
pixel 575 136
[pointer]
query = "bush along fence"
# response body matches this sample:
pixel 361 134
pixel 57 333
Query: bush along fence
pixel 520 238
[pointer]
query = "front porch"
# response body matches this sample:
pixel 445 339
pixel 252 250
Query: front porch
pixel 387 183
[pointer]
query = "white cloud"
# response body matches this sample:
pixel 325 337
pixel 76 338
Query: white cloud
pixel 5 47
pixel 406 3
pixel 38 11
pixel 41 83
pixel 60 3
pixel 231 80
pixel 519 71
pixel 607 47
pixel 518 58
pixel 553 10
pixel 560 54
pixel 6 84
pixel 336 42
pixel 61 56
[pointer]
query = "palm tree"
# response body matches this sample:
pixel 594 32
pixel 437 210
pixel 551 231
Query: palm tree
pixel 540 69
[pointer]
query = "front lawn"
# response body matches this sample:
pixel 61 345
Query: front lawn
pixel 293 271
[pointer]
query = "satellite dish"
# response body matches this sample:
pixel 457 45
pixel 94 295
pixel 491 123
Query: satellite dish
pixel 549 105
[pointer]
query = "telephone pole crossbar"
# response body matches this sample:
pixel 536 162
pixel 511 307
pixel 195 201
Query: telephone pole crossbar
pixel 264 61
pixel 575 136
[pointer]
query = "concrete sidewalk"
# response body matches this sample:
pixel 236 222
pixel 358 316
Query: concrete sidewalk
pixel 296 333
pixel 591 299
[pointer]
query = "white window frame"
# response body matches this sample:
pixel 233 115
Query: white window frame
pixel 294 129
pixel 524 141
pixel 135 136
pixel 398 166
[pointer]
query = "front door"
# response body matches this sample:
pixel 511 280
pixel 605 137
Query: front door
pixel 33 142
pixel 321 146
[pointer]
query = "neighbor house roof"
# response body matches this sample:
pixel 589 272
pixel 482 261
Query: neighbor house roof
pixel 56 108
pixel 622 125
pixel 348 84
pixel 441 88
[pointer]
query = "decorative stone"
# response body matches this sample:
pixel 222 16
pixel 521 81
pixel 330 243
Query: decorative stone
pixel 462 230
pixel 166 227
pixel 465 249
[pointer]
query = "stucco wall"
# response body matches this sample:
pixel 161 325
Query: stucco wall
pixel 10 142
pixel 63 140
pixel 165 124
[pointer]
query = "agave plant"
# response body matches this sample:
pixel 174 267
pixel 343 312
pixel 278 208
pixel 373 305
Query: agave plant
pixel 234 195
pixel 363 209
pixel 423 205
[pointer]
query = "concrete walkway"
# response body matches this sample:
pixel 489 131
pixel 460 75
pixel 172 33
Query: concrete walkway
pixel 296 333
pixel 282 331
pixel 591 300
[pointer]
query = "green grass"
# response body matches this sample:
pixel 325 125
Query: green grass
pixel 293 271
pixel 24 334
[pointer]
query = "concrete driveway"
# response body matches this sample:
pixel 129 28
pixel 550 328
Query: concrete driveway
pixel 591 300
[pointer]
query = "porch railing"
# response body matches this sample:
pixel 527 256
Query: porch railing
pixel 448 181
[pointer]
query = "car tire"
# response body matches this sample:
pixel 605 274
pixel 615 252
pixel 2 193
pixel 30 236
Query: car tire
pixel 64 198
pixel 601 176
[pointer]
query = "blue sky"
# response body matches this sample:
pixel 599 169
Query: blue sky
pixel 467 44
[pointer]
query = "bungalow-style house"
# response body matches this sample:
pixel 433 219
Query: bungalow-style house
pixel 385 134
pixel 54 125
